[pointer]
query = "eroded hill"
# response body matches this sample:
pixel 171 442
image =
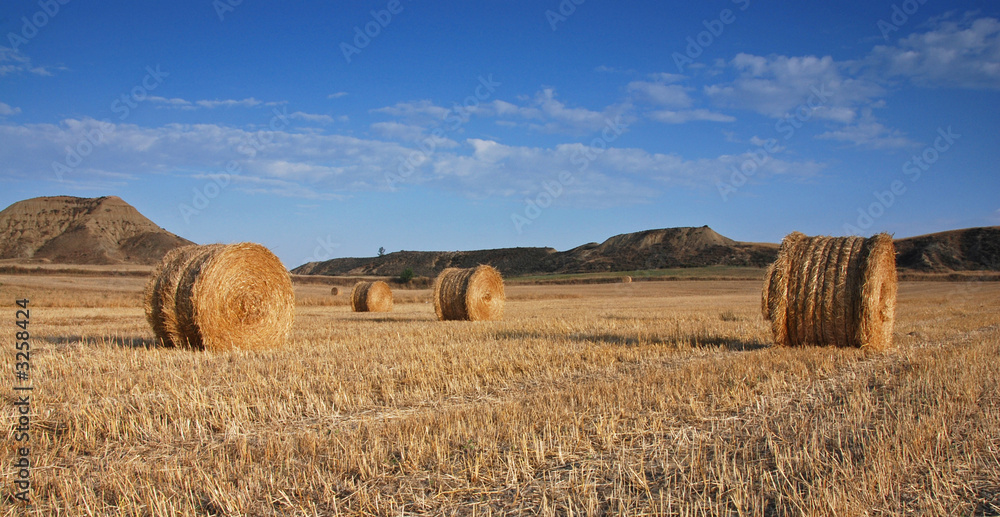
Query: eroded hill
pixel 74 230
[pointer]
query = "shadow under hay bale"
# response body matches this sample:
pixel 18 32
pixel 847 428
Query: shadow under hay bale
pixel 472 294
pixel 219 297
pixel 371 297
pixel 834 291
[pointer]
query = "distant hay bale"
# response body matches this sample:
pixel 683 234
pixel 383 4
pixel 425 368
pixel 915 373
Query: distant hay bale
pixel 472 294
pixel 371 297
pixel 334 291
pixel 219 297
pixel 626 279
pixel 836 291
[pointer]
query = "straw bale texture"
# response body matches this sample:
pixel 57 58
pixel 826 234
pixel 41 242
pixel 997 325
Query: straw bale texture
pixel 219 297
pixel 836 291
pixel 472 294
pixel 371 297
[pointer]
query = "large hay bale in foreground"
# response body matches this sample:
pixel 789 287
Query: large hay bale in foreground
pixel 371 297
pixel 220 297
pixel 836 291
pixel 472 294
pixel 161 294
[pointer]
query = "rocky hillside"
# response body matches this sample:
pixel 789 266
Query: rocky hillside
pixel 73 230
pixel 972 249
pixel 651 249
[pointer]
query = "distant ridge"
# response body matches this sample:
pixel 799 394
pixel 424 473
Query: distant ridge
pixel 75 230
pixel 650 249
pixel 971 249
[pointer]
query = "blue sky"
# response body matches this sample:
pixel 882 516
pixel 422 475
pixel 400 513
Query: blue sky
pixel 330 130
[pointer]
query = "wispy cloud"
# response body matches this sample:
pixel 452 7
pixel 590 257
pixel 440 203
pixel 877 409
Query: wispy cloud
pixel 314 165
pixel 954 54
pixel 229 103
pixel 776 85
pixel 684 116
pixel 7 110
pixel 179 103
pixel 311 117
pixel 661 94
pixel 410 134
pixel 336 95
pixel 174 102
pixel 416 112
pixel 867 132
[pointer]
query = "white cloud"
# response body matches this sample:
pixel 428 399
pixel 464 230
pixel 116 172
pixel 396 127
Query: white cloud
pixel 962 54
pixel 543 112
pixel 174 102
pixel 613 177
pixel 336 95
pixel 422 110
pixel 312 165
pixel 7 110
pixel 310 117
pixel 683 116
pixel 778 85
pixel 332 162
pixel 229 103
pixel 604 69
pixel 411 134
pixel 667 95
pixel 13 61
pixel 867 132
pixel 546 113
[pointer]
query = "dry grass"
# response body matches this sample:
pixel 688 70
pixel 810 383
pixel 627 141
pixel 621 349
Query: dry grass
pixel 643 398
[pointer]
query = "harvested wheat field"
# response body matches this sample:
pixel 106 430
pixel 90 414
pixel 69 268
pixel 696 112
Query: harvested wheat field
pixel 645 398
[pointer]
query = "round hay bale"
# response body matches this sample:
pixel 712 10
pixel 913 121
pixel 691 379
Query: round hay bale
pixel 837 291
pixel 775 293
pixel 334 291
pixel 161 294
pixel 879 285
pixel 371 297
pixel 472 294
pixel 234 296
pixel 626 279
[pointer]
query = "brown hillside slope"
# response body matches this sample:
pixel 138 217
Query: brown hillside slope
pixel 971 249
pixel 73 230
pixel 651 249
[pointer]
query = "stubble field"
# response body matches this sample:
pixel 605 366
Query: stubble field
pixel 649 398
